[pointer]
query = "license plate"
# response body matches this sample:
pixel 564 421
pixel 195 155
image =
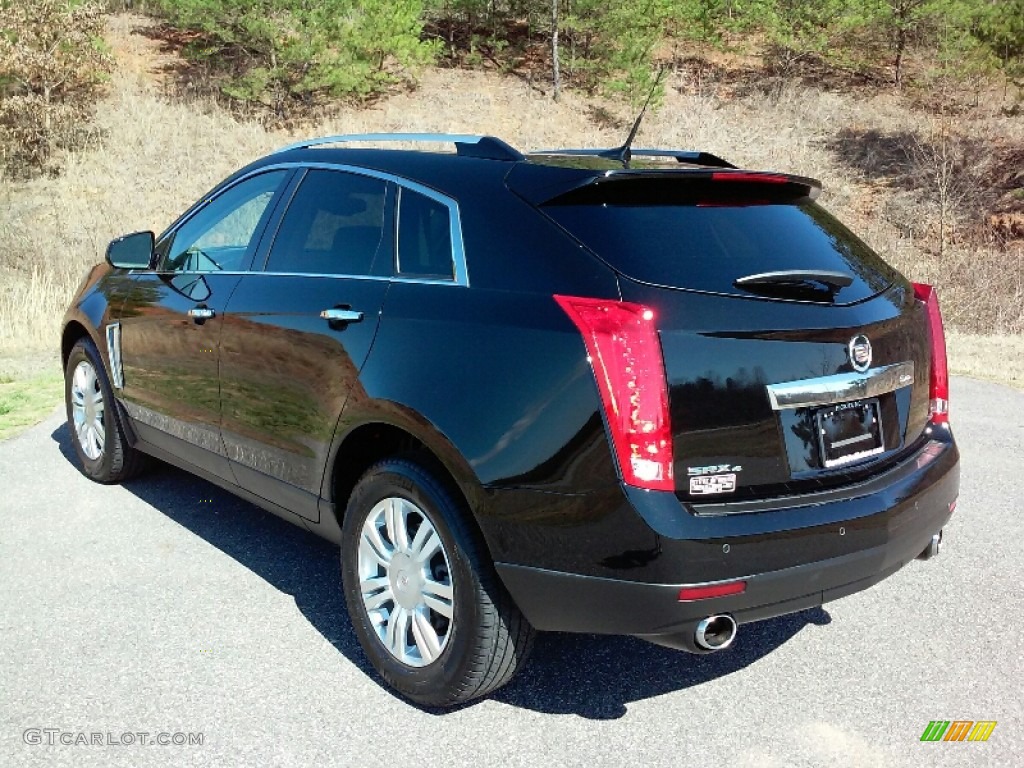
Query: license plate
pixel 849 432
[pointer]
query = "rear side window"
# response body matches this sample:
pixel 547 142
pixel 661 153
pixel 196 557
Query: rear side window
pixel 334 225
pixel 424 237
pixel 705 241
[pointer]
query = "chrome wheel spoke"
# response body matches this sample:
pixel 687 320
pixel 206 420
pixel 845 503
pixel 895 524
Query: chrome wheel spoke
pixel 436 588
pixel 377 583
pixel 376 592
pixel 373 547
pixel 97 440
pixel 398 629
pixel 379 620
pixel 379 600
pixel 395 520
pixel 425 544
pixel 81 378
pixel 427 641
pixel 435 602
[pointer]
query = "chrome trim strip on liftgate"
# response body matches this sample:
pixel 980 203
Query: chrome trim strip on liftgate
pixel 840 387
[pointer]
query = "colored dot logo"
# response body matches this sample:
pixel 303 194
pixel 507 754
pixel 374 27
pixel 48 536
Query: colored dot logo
pixel 958 730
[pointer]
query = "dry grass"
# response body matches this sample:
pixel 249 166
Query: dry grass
pixel 994 357
pixel 158 155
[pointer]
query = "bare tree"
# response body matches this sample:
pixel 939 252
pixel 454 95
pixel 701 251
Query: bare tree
pixel 904 16
pixel 556 74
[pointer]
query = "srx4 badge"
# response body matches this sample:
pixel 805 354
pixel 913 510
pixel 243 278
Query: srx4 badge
pixel 716 478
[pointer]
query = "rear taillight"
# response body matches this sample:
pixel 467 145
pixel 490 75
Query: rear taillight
pixel 938 397
pixel 625 354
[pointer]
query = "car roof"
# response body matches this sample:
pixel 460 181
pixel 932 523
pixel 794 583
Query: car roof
pixel 480 161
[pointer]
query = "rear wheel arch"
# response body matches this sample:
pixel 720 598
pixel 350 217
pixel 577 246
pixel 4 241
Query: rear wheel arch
pixel 371 443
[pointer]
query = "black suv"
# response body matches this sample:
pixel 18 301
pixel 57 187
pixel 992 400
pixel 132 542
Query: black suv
pixel 621 391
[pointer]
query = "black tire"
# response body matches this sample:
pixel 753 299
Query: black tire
pixel 487 640
pixel 116 460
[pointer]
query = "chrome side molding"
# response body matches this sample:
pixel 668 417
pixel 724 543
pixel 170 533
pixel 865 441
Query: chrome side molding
pixel 840 387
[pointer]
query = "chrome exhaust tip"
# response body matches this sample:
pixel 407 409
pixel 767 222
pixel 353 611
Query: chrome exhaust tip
pixel 933 547
pixel 715 633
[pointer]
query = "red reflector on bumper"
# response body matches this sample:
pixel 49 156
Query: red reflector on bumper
pixel 687 594
pixel 756 178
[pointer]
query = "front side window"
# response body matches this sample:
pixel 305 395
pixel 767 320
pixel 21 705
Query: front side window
pixel 424 238
pixel 220 235
pixel 334 225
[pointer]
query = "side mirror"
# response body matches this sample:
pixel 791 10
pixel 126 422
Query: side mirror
pixel 134 251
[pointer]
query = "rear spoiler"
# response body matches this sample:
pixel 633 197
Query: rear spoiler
pixel 689 156
pixel 542 184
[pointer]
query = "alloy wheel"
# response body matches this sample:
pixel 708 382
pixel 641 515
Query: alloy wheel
pixel 88 410
pixel 405 580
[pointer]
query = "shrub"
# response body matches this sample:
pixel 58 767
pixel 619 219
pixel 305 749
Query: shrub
pixel 51 61
pixel 271 52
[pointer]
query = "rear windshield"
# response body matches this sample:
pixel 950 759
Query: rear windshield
pixel 707 244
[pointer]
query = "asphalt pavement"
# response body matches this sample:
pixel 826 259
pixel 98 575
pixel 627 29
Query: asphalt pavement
pixel 168 610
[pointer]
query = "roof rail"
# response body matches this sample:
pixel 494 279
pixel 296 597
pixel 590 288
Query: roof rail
pixel 467 145
pixel 680 155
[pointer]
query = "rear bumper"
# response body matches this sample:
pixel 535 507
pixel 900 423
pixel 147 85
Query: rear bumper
pixel 917 498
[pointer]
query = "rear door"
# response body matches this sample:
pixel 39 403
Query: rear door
pixel 298 329
pixel 172 319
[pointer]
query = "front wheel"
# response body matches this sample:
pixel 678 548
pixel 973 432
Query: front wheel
pixel 425 602
pixel 96 431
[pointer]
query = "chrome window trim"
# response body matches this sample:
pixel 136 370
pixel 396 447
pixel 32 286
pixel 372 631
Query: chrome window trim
pixel 454 220
pixel 398 246
pixel 398 229
pixel 840 387
pixel 320 275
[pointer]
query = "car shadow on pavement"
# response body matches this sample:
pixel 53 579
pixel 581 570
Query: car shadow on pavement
pixel 587 675
pixel 597 676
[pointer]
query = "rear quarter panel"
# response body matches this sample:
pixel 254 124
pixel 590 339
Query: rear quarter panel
pixel 494 377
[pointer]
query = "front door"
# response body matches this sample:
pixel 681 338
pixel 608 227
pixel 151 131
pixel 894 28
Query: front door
pixel 172 319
